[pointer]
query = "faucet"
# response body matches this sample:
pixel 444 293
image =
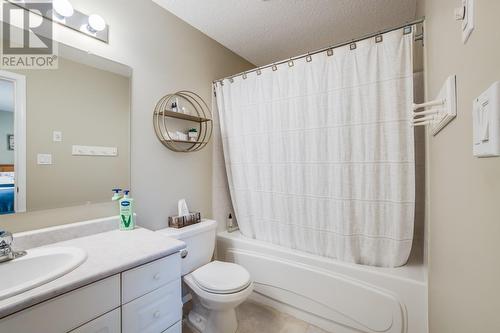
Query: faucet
pixel 6 252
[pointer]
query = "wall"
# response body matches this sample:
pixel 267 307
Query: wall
pixel 6 127
pixel 464 194
pixel 166 55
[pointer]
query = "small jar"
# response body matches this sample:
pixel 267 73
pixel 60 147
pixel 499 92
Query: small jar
pixel 193 135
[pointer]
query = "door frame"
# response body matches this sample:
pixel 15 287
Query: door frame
pixel 19 82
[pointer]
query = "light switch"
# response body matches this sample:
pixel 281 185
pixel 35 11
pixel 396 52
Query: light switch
pixel 44 159
pixel 468 21
pixel 57 136
pixel 486 123
pixel 481 121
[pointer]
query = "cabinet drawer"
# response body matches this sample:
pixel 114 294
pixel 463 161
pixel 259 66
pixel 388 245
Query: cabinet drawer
pixel 143 279
pixel 108 323
pixel 154 312
pixel 68 311
pixel 177 328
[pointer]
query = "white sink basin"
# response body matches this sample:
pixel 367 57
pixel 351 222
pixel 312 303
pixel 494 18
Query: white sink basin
pixel 38 267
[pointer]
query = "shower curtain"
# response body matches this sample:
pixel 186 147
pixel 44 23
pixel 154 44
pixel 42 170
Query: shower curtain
pixel 319 153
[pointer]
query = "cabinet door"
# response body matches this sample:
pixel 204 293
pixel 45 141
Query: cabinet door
pixel 108 323
pixel 154 312
pixel 68 311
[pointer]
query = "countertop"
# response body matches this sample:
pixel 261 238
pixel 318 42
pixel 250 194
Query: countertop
pixel 108 253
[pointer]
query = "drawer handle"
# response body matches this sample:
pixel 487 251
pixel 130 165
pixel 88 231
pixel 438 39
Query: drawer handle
pixel 156 315
pixel 156 276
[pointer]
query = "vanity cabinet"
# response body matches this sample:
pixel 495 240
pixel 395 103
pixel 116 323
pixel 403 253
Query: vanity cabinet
pixel 107 323
pixel 151 296
pixel 145 299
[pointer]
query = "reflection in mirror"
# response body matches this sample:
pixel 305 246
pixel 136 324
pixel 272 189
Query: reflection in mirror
pixel 64 133
pixel 7 172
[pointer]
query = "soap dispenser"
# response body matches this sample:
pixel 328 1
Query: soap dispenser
pixel 127 212
pixel 117 195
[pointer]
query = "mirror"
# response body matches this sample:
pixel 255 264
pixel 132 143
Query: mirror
pixel 64 133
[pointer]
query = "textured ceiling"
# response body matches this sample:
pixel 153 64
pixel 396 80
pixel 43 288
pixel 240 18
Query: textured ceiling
pixel 266 31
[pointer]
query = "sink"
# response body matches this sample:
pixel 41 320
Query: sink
pixel 39 266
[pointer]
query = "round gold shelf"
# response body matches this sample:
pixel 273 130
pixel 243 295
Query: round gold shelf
pixel 194 110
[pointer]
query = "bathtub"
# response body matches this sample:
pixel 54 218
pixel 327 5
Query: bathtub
pixel 333 295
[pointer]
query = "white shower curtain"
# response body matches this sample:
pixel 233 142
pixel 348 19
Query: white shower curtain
pixel 320 155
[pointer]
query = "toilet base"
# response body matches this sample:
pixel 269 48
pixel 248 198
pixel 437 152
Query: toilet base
pixel 213 321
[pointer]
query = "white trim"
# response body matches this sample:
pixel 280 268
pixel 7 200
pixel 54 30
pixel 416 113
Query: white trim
pixel 19 137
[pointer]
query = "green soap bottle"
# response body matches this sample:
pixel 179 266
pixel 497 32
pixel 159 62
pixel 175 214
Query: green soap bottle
pixel 127 212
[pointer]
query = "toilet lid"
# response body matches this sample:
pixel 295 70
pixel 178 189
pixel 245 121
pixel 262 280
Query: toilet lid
pixel 221 277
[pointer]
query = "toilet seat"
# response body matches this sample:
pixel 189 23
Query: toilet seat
pixel 220 277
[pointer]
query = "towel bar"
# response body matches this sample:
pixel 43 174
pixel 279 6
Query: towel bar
pixel 437 118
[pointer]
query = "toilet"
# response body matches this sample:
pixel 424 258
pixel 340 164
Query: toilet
pixel 216 287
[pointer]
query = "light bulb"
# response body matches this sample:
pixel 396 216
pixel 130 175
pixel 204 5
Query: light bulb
pixel 63 8
pixel 96 23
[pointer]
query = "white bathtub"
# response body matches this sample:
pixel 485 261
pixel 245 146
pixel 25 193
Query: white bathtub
pixel 336 296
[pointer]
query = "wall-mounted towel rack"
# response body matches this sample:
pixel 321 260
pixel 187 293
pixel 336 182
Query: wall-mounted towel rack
pixel 439 112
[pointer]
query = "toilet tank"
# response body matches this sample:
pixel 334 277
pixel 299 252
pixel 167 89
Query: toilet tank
pixel 200 243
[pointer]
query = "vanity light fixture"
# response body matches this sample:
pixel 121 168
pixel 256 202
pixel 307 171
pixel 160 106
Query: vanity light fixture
pixel 96 24
pixel 63 13
pixel 62 9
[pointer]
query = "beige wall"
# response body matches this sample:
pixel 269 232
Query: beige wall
pixel 464 221
pixel 90 107
pixel 166 55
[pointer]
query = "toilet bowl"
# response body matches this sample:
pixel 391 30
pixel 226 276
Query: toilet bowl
pixel 216 287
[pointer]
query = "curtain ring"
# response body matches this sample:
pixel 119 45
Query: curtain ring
pixel 244 76
pixel 290 63
pixel 259 72
pixel 309 58
pixel 353 46
pixel 231 80
pixel 407 30
pixel 329 52
pixel 379 39
pixel 275 68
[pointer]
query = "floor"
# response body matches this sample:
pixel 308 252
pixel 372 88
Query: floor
pixel 257 318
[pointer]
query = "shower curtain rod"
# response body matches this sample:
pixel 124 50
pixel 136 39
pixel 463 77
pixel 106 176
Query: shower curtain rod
pixel 368 36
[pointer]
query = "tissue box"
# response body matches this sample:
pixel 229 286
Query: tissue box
pixel 184 221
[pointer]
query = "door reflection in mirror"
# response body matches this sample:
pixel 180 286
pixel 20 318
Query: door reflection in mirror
pixel 7 169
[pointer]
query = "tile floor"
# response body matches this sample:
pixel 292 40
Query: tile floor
pixel 257 318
